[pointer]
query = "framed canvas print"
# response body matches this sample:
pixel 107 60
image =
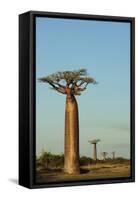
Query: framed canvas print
pixel 76 99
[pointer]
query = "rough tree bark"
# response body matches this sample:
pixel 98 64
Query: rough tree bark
pixel 71 158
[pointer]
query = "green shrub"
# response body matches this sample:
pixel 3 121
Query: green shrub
pixel 49 160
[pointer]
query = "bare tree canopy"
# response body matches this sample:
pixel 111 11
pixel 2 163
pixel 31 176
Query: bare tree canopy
pixel 69 82
pixel 104 154
pixel 94 141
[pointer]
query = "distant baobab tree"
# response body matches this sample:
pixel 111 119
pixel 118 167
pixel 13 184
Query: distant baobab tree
pixel 94 142
pixel 113 154
pixel 104 155
pixel 70 83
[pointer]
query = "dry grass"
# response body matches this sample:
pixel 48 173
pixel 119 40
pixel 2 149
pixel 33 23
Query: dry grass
pixel 90 172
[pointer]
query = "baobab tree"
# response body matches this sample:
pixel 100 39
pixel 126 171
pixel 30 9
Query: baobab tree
pixel 70 83
pixel 104 155
pixel 94 142
pixel 113 154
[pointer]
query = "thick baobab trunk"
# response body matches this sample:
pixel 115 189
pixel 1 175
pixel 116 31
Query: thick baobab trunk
pixel 94 152
pixel 71 152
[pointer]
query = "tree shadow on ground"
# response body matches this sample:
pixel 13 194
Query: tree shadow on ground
pixel 84 171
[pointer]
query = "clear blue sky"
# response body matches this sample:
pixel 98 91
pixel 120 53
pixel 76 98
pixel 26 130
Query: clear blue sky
pixel 103 48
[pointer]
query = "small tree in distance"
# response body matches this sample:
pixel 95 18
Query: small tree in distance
pixel 113 155
pixel 70 83
pixel 45 158
pixel 104 155
pixel 94 142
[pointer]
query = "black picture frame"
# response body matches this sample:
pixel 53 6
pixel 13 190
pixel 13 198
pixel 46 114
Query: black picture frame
pixel 27 97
